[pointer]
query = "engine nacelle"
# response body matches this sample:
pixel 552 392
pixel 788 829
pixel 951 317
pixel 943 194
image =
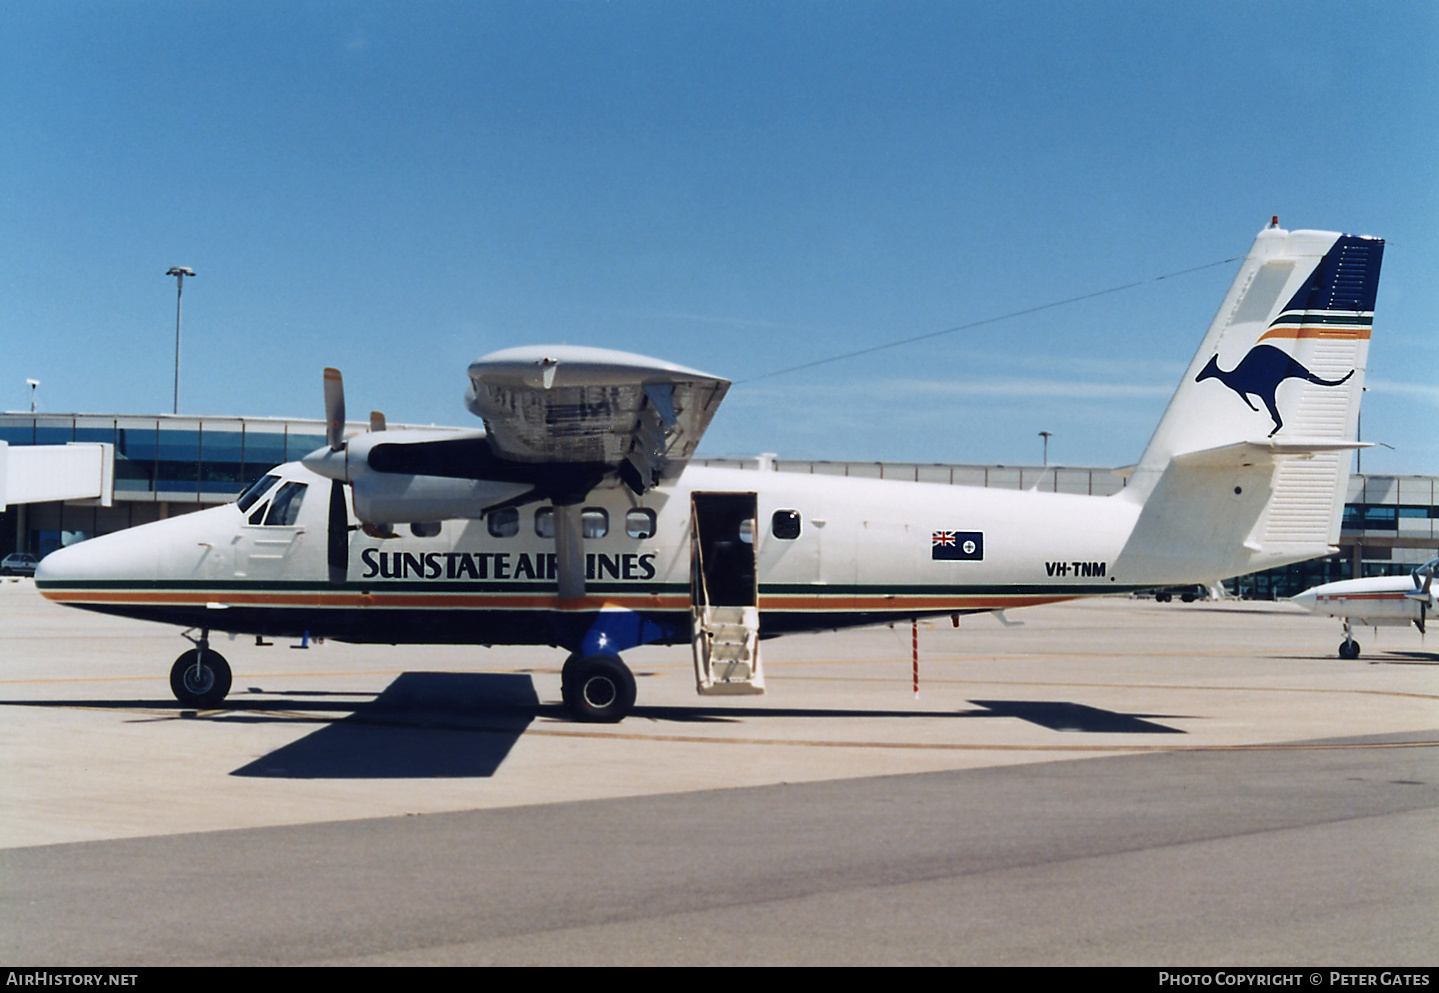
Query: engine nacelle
pixel 402 499
pixel 409 476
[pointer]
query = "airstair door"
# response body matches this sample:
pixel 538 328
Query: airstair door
pixel 724 593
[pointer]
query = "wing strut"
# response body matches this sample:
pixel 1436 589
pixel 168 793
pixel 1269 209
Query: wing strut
pixel 569 551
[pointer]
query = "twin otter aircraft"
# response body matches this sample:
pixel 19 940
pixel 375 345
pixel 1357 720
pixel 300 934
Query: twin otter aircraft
pixel 573 519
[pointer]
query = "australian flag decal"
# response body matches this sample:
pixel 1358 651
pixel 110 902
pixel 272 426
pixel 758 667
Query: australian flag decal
pixel 957 546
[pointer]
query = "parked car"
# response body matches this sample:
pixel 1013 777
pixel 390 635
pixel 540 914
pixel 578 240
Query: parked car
pixel 19 564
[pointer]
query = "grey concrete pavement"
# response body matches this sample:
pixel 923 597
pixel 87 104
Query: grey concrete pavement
pixel 1114 781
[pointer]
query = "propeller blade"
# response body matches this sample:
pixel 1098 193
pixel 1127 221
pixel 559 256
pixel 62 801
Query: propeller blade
pixel 334 409
pixel 339 534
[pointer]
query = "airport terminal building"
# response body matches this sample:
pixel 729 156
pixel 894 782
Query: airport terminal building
pixel 117 471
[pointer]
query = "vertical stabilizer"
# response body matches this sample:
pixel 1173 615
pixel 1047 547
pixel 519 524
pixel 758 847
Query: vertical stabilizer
pixel 1288 346
pixel 1256 441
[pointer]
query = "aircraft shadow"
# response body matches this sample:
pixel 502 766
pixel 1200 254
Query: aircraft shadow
pixel 1059 715
pixel 424 725
pixel 463 725
pixel 1407 658
pixel 439 725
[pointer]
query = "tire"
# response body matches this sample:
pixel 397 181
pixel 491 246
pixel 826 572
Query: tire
pixel 1349 649
pixel 202 687
pixel 597 689
pixel 1163 597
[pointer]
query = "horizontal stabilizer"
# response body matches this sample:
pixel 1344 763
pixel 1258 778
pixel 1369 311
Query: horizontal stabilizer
pixel 1266 452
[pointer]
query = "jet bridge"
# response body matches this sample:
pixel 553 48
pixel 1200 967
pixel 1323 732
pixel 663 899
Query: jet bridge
pixel 43 473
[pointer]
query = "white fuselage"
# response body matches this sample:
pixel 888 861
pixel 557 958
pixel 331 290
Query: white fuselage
pixel 1378 601
pixel 865 552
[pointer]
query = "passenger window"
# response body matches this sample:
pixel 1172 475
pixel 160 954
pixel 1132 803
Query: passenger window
pixel 504 523
pixel 640 523
pixel 595 522
pixel 785 524
pixel 746 530
pixel 259 489
pixel 425 529
pixel 285 509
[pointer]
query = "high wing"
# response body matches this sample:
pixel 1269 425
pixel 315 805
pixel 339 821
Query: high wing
pixel 568 404
pixel 559 421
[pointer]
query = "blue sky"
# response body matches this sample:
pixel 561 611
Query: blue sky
pixel 740 187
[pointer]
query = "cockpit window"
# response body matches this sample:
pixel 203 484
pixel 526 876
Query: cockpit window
pixel 259 489
pixel 285 508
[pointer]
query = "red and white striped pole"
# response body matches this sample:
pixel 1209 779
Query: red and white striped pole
pixel 914 650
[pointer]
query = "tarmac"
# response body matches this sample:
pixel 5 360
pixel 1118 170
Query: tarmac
pixel 1103 782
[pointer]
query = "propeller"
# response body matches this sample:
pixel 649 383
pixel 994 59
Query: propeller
pixel 338 530
pixel 377 423
pixel 338 526
pixel 334 409
pixel 1422 594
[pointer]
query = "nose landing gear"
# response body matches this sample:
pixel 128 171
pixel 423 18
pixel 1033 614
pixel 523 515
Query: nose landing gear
pixel 1348 648
pixel 200 677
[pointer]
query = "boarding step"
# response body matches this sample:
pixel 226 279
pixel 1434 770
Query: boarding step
pixel 726 649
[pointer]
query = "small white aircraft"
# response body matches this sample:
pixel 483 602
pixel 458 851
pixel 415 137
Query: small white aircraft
pixel 1379 601
pixel 573 519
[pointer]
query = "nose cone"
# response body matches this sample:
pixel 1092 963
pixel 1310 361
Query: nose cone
pixel 331 465
pixel 1308 599
pixel 122 555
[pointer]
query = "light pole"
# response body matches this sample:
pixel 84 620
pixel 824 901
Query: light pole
pixel 32 383
pixel 1046 435
pixel 179 272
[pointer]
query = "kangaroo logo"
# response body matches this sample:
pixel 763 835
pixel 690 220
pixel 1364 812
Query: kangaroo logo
pixel 1259 374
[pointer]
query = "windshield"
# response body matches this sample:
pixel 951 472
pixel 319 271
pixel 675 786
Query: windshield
pixel 248 498
pixel 285 509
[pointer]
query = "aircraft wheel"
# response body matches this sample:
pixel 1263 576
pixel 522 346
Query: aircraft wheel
pixel 1163 597
pixel 597 689
pixel 1349 649
pixel 202 685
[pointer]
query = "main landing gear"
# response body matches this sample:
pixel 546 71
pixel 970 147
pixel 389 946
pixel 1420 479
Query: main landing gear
pixel 597 689
pixel 1348 648
pixel 200 677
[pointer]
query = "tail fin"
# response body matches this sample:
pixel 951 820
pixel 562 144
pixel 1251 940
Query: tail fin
pixel 1251 457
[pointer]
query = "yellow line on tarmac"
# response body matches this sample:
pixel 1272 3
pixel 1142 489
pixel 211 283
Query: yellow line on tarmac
pixel 943 681
pixel 941 746
pixel 555 732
